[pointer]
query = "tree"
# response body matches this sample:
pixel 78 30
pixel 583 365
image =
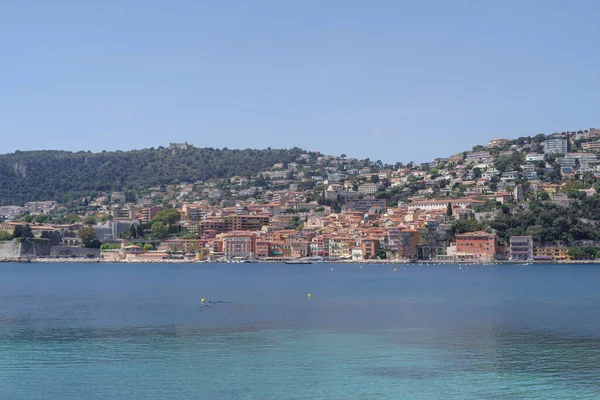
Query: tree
pixel 167 217
pixel 23 231
pixel 87 235
pixel 4 236
pixel 28 218
pixel 89 220
pixel 40 218
pixel 139 231
pixel 133 231
pixel 449 209
pixel 159 230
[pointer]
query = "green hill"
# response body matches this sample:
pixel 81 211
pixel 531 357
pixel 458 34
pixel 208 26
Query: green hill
pixel 62 175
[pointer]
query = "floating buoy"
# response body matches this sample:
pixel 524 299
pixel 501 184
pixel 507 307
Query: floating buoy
pixel 309 295
pixel 203 301
pixel 395 270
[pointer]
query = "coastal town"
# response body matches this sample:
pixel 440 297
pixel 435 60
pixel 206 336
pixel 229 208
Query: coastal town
pixel 332 208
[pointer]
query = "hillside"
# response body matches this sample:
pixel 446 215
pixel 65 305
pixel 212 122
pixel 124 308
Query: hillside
pixel 62 175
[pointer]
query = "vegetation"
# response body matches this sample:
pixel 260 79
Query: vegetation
pixel 583 253
pixel 23 232
pixel 4 236
pixel 548 222
pixel 88 237
pixel 110 246
pixel 65 176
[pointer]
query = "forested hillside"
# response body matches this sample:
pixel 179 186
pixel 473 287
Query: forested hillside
pixel 61 175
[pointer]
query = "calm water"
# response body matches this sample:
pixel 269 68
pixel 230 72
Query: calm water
pixel 91 331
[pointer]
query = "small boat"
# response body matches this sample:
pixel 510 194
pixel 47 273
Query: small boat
pixel 298 261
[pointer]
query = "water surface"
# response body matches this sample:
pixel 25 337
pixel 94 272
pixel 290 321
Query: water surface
pixel 139 331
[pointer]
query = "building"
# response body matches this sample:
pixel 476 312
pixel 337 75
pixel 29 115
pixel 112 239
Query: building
pixel 11 212
pixel 408 244
pixel 37 207
pixel 369 248
pixel 112 230
pixel 555 146
pixel 479 245
pixel 591 146
pixel 340 247
pixel 577 162
pixel 296 249
pixel 285 174
pixel 479 156
pixel 534 157
pixel 518 193
pixel 365 205
pixel 442 204
pixel 179 146
pixel 233 223
pixel 239 244
pixel 394 240
pixel 498 142
pixel 510 175
pixel 521 248
pixel 192 212
pixel 368 188
pixel 551 253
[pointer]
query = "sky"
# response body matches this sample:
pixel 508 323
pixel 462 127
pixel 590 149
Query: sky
pixel 386 80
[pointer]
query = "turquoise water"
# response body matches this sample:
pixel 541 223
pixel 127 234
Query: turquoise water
pixel 102 331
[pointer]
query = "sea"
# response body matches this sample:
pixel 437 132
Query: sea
pixel 141 331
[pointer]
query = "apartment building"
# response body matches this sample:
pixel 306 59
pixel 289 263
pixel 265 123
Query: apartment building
pixel 521 248
pixel 591 146
pixel 233 223
pixel 555 146
pixel 480 245
pixel 408 244
pixel 239 244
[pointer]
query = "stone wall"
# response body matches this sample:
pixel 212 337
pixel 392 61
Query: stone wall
pixel 16 249
pixel 9 250
pixel 73 252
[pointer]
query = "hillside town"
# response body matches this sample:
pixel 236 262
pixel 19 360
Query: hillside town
pixel 325 207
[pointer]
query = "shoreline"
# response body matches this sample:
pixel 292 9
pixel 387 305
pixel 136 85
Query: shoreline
pixel 383 262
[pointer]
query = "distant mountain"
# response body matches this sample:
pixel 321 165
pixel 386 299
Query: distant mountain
pixel 62 175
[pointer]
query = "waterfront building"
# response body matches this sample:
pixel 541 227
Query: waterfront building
pixel 551 253
pixel 480 245
pixel 239 244
pixel 408 244
pixel 521 248
pixel 369 247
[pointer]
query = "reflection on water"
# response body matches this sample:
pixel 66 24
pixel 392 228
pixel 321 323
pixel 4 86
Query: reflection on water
pixel 131 332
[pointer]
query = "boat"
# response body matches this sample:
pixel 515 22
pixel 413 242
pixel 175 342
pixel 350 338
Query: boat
pixel 298 261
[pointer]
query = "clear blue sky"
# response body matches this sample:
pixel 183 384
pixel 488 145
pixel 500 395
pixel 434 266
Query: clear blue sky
pixel 390 80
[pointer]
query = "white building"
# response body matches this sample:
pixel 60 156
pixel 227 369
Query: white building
pixel 555 146
pixel 534 157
